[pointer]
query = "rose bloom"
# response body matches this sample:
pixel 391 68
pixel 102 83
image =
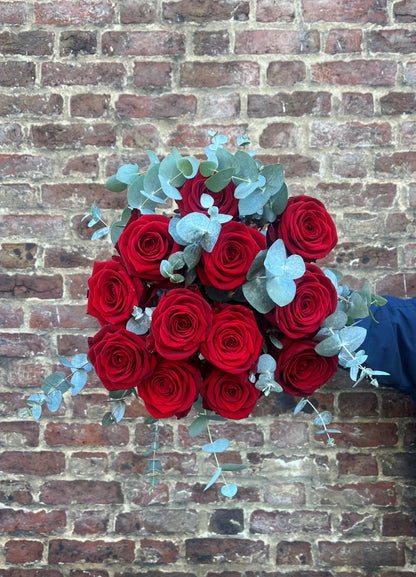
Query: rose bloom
pixel 171 390
pixel 119 357
pixel 195 187
pixel 300 370
pixel 180 323
pixel 231 396
pixel 144 243
pixel 315 299
pixel 227 265
pixel 113 293
pixel 305 227
pixel 234 342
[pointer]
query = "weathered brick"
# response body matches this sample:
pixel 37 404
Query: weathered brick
pixel 165 106
pixel 102 73
pixel 80 491
pixel 89 464
pixel 12 492
pixel 293 553
pixel 377 434
pixel 201 11
pixel 65 316
pixel 76 42
pixel 80 195
pixel 19 520
pixel 31 42
pixel 408 133
pixel 353 72
pixel 152 74
pixel 33 225
pixel 289 104
pixel 18 434
pixel 349 165
pixel 28 104
pixel 289 434
pixel 71 551
pixel 399 164
pixel 17 73
pixel 143 43
pixel 90 106
pixel 32 463
pixel 196 135
pixel 13 13
pixel 211 550
pixel 340 41
pixel 63 12
pixel 156 552
pixel 354 255
pixel 358 524
pixel 211 43
pixel 362 553
pixel 286 73
pixel 81 435
pixel 396 41
pixel 73 135
pixel 358 405
pixel 214 74
pixel 90 522
pixel 222 105
pixel 400 284
pixel 75 257
pixel 395 405
pixel 356 103
pixel 85 164
pixel 382 494
pixel 25 166
pixel 276 42
pixel 145 521
pixel 285 494
pixel 350 134
pixel 360 464
pixel 275 11
pixel 279 134
pixel 10 135
pixel 270 522
pixel 356 11
pixel 404 11
pixel 296 165
pixel 25 286
pixel 141 137
pixel 227 521
pixel 136 12
pixel 18 255
pixel 21 344
pixel 398 103
pixel 398 524
pixel 11 317
pixel 23 551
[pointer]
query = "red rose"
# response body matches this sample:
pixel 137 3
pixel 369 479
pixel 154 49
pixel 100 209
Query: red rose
pixel 119 357
pixel 231 396
pixel 113 293
pixel 315 299
pixel 144 243
pixel 305 227
pixel 300 370
pixel 227 265
pixel 180 323
pixel 171 390
pixel 234 342
pixel 195 187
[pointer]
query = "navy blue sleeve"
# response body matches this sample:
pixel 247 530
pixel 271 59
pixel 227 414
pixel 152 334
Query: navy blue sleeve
pixel 391 343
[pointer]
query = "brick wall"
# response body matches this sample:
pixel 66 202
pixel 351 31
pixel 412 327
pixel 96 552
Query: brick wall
pixel 328 89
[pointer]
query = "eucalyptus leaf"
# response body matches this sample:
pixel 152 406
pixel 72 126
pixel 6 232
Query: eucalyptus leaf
pixel 300 406
pixel 281 290
pixel 115 185
pixel 100 233
pixel 330 346
pixel 352 337
pixel 229 490
pixel 217 446
pixel 256 294
pixel 213 478
pixel 78 381
pixel 323 417
pixel 219 180
pixel 188 166
pixel 193 226
pixel 266 364
pixel 197 426
pixel 127 173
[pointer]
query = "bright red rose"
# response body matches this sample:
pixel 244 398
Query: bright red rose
pixel 113 293
pixel 120 358
pixel 227 265
pixel 300 370
pixel 180 323
pixel 305 227
pixel 195 187
pixel 231 396
pixel 171 390
pixel 234 342
pixel 144 243
pixel 315 299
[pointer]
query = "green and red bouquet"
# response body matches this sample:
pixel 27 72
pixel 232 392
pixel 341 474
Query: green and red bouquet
pixel 214 298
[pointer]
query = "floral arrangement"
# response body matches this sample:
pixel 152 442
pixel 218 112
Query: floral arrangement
pixel 216 302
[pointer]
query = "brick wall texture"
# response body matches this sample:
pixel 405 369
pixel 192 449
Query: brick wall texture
pixel 327 87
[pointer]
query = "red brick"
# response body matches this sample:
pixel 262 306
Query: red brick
pixel 398 524
pixel 355 11
pixel 66 316
pixel 401 285
pixel 409 437
pixel 166 106
pixel 85 164
pixel 404 11
pixel 340 41
pixel 32 463
pixel 358 405
pixel 395 41
pixel 89 464
pixel 20 434
pixel 350 134
pixel 21 344
pixel 279 134
pixel 80 195
pixel 143 43
pixel 354 255
pixel 213 74
pixel 10 135
pixel 286 73
pixel 102 73
pixel 382 493
pixel 90 105
pixel 211 550
pixel 17 73
pixel 296 165
pixel 136 12
pixel 222 105
pixel 353 72
pixel 31 573
pixel 63 12
pixel 28 104
pixel 285 494
pixel 26 374
pixel 31 225
pixel 85 435
pixel 350 165
pixel 196 135
pixel 398 103
pixel 81 492
pixel 152 74
pixel 71 551
pixel 201 11
pixel 11 317
pixel 357 524
pixel 276 42
pixel 293 553
pixel 12 492
pixel 211 43
pixel 141 137
pixel 25 166
pixel 362 554
pixel 145 521
pixel 76 42
pixel 153 552
pixel 377 434
pixel 68 345
pixel 16 520
pixel 360 464
pixel 289 434
pixel 73 136
pixel 275 11
pixel 398 465
pixel 23 551
pixel 285 104
pixel 90 522
pixel 270 522
pixel 398 164
pixel 357 103
pixel 395 405
pixel 12 12
pixel 32 42
pixel 74 257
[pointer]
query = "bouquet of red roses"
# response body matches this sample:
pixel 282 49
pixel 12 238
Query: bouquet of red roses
pixel 218 301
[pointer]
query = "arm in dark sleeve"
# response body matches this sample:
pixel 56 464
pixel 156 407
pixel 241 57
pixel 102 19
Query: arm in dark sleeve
pixel 391 343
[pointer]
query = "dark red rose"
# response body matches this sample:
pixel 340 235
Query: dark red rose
pixel 234 342
pixel 315 299
pixel 195 187
pixel 120 358
pixel 113 293
pixel 180 323
pixel 144 243
pixel 171 390
pixel 300 370
pixel 227 265
pixel 305 227
pixel 230 395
